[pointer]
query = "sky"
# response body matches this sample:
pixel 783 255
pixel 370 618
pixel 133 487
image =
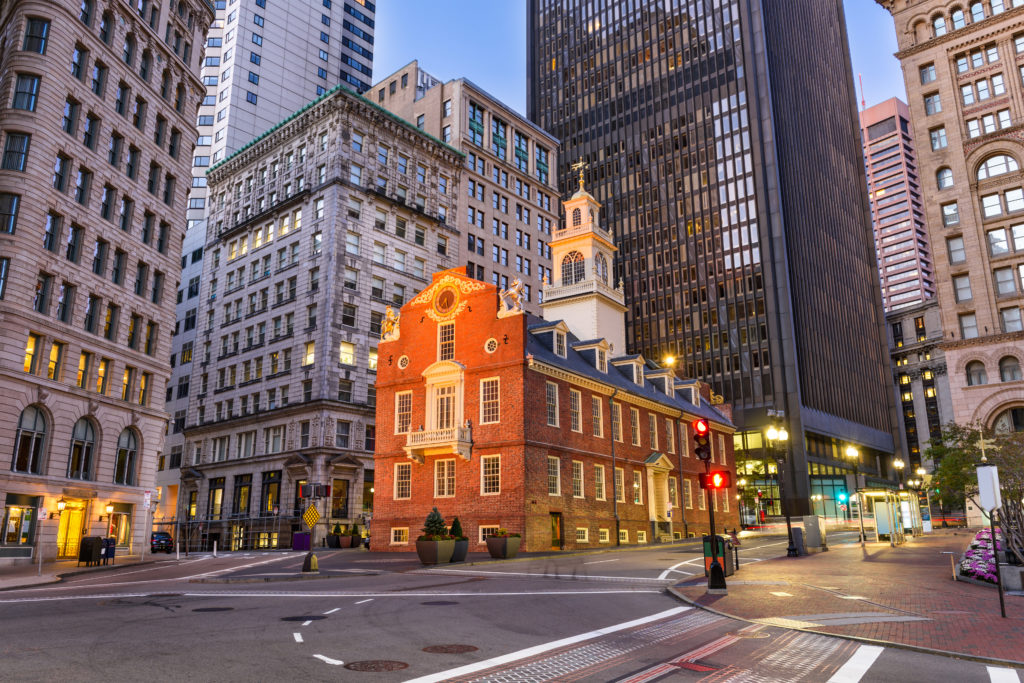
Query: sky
pixel 485 41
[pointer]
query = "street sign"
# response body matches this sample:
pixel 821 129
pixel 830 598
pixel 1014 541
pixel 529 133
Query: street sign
pixel 310 516
pixel 988 488
pixel 146 498
pixel 842 507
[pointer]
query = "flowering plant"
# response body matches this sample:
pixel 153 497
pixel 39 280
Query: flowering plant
pixel 979 562
pixel 504 533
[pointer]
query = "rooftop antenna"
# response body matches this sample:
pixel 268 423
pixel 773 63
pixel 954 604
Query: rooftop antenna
pixel 863 104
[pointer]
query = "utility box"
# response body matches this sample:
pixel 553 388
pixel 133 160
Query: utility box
pixel 300 541
pixel 798 541
pixel 723 551
pixel 815 534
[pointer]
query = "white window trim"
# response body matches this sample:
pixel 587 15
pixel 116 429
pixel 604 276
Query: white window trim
pixel 558 479
pixel 604 484
pixel 638 488
pixel 398 396
pixel 603 536
pixel 634 426
pixel 619 491
pixel 623 535
pixel 595 401
pixel 482 459
pixel 488 379
pixel 398 466
pixel 586 534
pixel 688 494
pixel 480 532
pixel 575 412
pixel 399 528
pixel 437 464
pixel 556 416
pixel 583 480
pixel 641 537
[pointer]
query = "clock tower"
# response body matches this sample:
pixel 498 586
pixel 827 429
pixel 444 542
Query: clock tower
pixel 583 293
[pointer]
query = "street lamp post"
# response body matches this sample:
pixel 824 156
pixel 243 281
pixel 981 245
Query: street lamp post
pixel 853 454
pixel 899 465
pixel 775 436
pixel 741 487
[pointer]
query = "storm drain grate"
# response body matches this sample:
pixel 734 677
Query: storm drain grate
pixel 315 618
pixel 450 649
pixel 376 665
pixel 213 609
pixel 439 602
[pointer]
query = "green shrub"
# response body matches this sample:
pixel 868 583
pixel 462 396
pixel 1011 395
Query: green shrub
pixel 434 528
pixel 456 530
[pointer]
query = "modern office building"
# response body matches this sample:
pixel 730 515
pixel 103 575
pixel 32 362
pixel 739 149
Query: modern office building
pixel 961 69
pixel 263 61
pixel 919 372
pixel 303 258
pixel 98 125
pixel 510 204
pixel 894 196
pixel 723 138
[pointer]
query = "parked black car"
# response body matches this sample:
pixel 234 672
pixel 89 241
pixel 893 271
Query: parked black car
pixel 161 540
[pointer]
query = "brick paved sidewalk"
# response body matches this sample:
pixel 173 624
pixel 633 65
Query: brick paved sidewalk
pixel 902 595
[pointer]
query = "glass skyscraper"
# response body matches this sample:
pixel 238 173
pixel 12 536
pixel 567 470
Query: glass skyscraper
pixel 723 138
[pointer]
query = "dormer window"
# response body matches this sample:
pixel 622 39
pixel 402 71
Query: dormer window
pixel 446 341
pixel 602 360
pixel 560 343
pixel 638 374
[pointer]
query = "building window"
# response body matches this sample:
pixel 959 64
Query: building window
pixel 490 401
pixel 29 441
pixel 577 479
pixel 634 424
pixel 26 91
pixel 554 476
pixel 927 73
pixel 603 536
pixel 572 267
pixel 124 461
pixel 938 138
pixel 620 494
pixel 932 104
pixel 968 326
pixel 944 178
pixel 446 341
pixel 403 481
pixel 444 478
pixel 582 535
pixel 15 152
pixel 597 416
pixel 638 491
pixel 962 288
pixel 955 249
pixel 574 410
pixel 37 32
pixel 342 432
pixel 599 493
pixel 403 411
pixel 399 535
pixel 976 375
pixel 551 401
pixel 490 475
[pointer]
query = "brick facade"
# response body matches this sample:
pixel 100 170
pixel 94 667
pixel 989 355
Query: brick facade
pixel 517 351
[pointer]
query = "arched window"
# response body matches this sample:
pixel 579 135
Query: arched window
pixel 28 445
pixel 128 52
pixel 939 26
pixel 1009 369
pixel 959 21
pixel 572 268
pixel 83 440
pixel 944 178
pixel 996 165
pixel 577 217
pixel 976 374
pixel 601 268
pixel 124 461
pixel 1010 420
pixel 977 12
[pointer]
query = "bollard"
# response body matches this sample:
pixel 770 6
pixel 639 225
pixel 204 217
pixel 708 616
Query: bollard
pixel 952 563
pixel 177 550
pixel 215 548
pixel 310 565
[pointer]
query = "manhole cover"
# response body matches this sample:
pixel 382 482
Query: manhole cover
pixel 316 618
pixel 748 634
pixel 376 665
pixel 449 649
pixel 439 602
pixel 213 609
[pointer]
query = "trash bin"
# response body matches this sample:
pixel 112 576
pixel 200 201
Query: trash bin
pixel 108 550
pixel 89 550
pixel 300 541
pixel 723 552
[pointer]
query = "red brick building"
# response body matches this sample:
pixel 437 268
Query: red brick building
pixel 508 420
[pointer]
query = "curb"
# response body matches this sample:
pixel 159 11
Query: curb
pixel 274 579
pixel 580 553
pixel 860 639
pixel 58 578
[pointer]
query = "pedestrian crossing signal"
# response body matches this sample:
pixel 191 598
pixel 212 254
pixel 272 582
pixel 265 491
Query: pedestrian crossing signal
pixel 701 439
pixel 715 480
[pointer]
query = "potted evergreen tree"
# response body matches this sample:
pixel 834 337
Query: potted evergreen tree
pixel 334 538
pixel 502 544
pixel 461 542
pixel 357 538
pixel 435 546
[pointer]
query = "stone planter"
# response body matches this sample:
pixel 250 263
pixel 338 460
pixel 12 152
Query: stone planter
pixel 333 541
pixel 345 541
pixel 357 541
pixel 435 552
pixel 461 548
pixel 503 547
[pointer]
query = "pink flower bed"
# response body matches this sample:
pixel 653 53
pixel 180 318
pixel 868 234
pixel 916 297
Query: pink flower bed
pixel 979 561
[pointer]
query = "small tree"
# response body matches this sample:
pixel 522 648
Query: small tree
pixel 336 530
pixel 456 530
pixel 434 528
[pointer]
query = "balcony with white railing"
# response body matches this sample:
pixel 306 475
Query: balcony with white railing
pixel 587 286
pixel 439 442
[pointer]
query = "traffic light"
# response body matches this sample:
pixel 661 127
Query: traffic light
pixel 842 496
pixel 305 491
pixel 702 439
pixel 715 480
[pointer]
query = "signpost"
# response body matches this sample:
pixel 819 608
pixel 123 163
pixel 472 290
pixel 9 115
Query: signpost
pixel 988 495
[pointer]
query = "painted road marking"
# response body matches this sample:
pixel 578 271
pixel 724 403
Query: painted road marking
pixel 328 660
pixel 362 601
pixel 857 665
pixel 332 611
pixel 545 647
pixel 664 574
pixel 998 674
pixel 307 623
pixel 706 650
pixel 298 637
pixel 601 561
pixel 781 594
pixel 567 575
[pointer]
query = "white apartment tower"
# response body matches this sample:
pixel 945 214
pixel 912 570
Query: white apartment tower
pixel 265 59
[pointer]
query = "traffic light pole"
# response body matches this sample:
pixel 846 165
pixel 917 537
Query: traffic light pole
pixel 716 573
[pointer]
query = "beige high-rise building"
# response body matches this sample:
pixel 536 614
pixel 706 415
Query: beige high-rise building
pixel 98 125
pixel 510 202
pixel 306 255
pixel 964 83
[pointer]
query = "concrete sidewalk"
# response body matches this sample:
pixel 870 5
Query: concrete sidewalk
pixel 903 596
pixel 27 575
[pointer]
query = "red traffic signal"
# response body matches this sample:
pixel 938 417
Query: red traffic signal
pixel 716 480
pixel 701 439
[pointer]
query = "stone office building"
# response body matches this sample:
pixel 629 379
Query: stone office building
pixel 305 251
pixel 98 122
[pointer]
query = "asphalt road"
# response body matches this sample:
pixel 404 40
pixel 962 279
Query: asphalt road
pixel 593 617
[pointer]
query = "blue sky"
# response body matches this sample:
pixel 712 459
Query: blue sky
pixel 485 41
